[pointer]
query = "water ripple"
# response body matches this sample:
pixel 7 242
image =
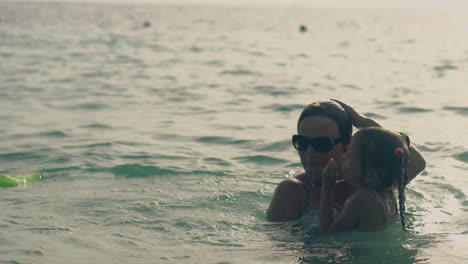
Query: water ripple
pixel 238 72
pixel 97 145
pixel 222 140
pixel 14 156
pixel 409 109
pixel 143 171
pixel 434 147
pixel 136 170
pixel 284 108
pixel 261 160
pixel 276 146
pixel 53 134
pixel 374 115
pixel 46 172
pixel 352 86
pixel 274 91
pixel 459 110
pixel 195 49
pixel 463 157
pixel 445 66
pixel 385 104
pixel 155 157
pixel 97 126
pixel 216 63
pixel 92 106
pixel 217 161
pixel 22 253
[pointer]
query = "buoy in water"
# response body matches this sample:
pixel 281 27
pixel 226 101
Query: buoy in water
pixel 12 181
pixel 147 23
pixel 302 28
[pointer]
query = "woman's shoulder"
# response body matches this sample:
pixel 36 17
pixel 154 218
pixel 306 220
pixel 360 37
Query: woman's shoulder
pixel 293 183
pixel 299 177
pixel 292 189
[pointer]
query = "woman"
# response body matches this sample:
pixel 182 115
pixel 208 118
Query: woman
pixel 324 130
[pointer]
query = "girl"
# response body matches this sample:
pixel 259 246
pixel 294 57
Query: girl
pixel 376 161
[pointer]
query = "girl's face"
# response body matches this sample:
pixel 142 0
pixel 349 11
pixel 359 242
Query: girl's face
pixel 352 164
pixel 312 160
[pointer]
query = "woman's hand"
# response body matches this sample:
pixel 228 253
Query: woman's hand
pixel 358 120
pixel 329 175
pixel 416 162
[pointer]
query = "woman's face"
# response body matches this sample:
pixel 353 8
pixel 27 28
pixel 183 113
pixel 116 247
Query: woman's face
pixel 313 161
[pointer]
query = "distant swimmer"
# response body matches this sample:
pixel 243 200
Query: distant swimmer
pixel 147 23
pixel 302 28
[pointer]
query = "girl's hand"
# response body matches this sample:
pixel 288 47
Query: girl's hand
pixel 329 175
pixel 358 120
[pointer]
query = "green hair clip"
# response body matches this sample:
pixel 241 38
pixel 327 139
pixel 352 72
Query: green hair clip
pixel 405 136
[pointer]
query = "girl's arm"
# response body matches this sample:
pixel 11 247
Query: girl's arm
pixel 326 218
pixel 328 181
pixel 349 216
pixel 416 162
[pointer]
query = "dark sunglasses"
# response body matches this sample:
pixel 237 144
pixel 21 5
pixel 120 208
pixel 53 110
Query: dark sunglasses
pixel 320 144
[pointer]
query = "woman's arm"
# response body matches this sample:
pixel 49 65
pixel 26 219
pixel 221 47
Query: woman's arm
pixel 416 162
pixel 285 203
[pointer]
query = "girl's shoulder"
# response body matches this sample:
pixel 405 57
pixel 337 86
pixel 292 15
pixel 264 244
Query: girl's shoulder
pixel 367 199
pixel 364 194
pixel 374 214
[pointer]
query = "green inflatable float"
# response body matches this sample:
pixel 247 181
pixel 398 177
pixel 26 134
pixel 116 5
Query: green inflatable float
pixel 12 181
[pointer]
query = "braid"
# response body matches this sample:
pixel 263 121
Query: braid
pixel 402 198
pixel 403 180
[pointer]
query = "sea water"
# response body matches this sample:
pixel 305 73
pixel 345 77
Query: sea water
pixel 162 131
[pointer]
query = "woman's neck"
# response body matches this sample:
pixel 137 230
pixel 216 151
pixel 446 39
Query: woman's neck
pixel 312 184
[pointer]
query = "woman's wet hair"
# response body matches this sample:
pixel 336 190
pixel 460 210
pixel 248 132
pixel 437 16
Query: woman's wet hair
pixel 333 111
pixel 386 153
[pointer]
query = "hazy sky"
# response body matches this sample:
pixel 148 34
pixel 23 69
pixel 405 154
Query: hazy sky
pixel 313 3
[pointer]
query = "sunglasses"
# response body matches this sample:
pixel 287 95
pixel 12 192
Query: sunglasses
pixel 320 144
